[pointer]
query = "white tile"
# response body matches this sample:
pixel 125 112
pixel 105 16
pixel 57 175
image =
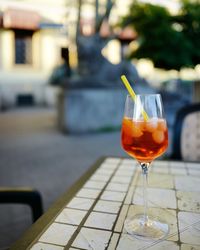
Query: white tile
pixel 97 177
pixel 167 215
pixel 88 193
pixel 128 161
pixel 158 180
pixel 164 198
pixel 128 168
pixel 58 234
pixel 177 164
pixel 121 172
pixel 160 167
pixel 189 227
pixel 178 171
pixel 113 241
pixel 80 203
pixel 161 170
pixel 157 163
pixel 190 165
pixel 189 247
pixel 121 218
pixel 130 243
pixel 188 201
pixel 45 246
pixel 100 220
pixel 112 160
pixel 103 171
pixel 129 195
pixel 71 216
pixel 150 170
pixel 112 166
pixel 92 239
pixel 195 172
pixel 112 196
pixel 94 184
pixel 187 183
pixel 107 206
pixel 121 179
pixel 117 187
pixel 135 178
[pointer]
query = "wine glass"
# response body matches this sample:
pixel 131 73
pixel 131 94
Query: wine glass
pixel 144 136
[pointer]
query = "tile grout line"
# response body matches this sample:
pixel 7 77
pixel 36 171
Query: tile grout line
pixel 121 207
pixel 177 211
pixel 154 243
pixel 36 240
pixel 135 179
pixel 178 231
pixel 112 230
pixel 124 201
pixel 73 237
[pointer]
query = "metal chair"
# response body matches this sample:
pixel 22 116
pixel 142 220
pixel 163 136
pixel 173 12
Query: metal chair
pixel 186 134
pixel 22 195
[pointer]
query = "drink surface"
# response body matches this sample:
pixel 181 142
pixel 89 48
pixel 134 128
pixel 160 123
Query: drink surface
pixel 144 140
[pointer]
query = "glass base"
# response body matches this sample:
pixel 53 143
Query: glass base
pixel 150 229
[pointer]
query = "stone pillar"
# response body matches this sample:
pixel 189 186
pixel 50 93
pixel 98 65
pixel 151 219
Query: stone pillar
pixel 90 110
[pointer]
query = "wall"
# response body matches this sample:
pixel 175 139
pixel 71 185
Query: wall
pixel 28 79
pixel 7 46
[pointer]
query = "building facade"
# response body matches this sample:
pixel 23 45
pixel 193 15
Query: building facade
pixel 30 47
pixel 32 35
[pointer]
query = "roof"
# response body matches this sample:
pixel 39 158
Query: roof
pixel 25 19
pixel 127 33
pixel 21 19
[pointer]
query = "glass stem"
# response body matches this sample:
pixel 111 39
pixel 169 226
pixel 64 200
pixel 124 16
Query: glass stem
pixel 145 182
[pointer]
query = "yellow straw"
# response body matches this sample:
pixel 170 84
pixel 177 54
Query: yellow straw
pixel 133 95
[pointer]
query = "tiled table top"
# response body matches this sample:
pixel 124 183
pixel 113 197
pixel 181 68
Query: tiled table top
pixel 94 216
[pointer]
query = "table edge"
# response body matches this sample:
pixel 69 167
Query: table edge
pixel 34 231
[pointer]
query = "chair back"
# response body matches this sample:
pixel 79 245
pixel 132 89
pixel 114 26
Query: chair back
pixel 186 134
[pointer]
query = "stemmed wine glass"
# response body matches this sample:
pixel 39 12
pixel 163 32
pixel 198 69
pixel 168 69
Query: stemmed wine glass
pixel 144 136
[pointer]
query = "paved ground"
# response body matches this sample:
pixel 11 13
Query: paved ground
pixel 33 153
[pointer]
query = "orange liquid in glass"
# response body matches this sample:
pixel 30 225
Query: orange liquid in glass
pixel 144 140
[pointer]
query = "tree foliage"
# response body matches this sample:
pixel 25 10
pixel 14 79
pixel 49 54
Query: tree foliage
pixel 189 19
pixel 171 42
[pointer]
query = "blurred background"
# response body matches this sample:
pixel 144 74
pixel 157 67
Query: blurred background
pixel 61 98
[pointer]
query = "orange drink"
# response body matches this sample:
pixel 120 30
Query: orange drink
pixel 144 140
pixel 144 137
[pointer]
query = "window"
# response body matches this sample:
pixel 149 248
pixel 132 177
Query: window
pixel 23 47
